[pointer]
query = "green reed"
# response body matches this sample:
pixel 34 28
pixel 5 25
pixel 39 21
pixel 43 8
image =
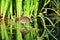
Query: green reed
pixel 19 7
pixel 10 30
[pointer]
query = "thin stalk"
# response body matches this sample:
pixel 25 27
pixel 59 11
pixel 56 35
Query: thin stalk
pixel 52 34
pixel 11 9
pixel 58 3
pixel 27 37
pixel 5 31
pixel 11 32
pixel 19 7
pixel 11 17
pixel 31 7
pixel 19 35
pixel 43 22
pixel 35 7
pixel 45 4
pixel 4 7
pixel 2 32
pixel 51 23
pixel 27 8
pixel 32 36
pixel 57 21
pixel 53 10
pixel 35 16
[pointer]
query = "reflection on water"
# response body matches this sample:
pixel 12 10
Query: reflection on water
pixel 9 30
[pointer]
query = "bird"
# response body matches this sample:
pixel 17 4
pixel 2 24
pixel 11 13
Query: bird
pixel 25 19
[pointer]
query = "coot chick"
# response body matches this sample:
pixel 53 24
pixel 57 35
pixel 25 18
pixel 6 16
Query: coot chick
pixel 25 19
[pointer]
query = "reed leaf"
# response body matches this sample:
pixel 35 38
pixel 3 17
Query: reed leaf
pixel 19 7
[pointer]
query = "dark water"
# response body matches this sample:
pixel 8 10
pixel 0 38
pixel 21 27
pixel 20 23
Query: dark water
pixel 13 24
